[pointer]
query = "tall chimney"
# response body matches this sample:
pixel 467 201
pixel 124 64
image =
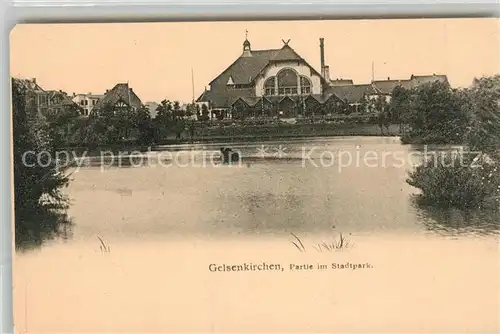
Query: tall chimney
pixel 326 72
pixel 322 55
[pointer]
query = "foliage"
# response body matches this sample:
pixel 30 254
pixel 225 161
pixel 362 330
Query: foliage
pixel 449 181
pixel 454 180
pixel 483 104
pixel 39 203
pixel 433 113
pixel 204 116
pixel 63 123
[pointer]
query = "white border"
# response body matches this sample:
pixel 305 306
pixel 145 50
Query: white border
pixel 34 11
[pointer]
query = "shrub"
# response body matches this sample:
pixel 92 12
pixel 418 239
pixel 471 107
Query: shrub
pixel 455 181
pixel 39 204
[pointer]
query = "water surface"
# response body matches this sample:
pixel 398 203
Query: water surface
pixel 165 223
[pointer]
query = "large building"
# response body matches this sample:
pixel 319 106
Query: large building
pixel 281 82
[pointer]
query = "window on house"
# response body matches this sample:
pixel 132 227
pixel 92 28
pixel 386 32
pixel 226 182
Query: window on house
pixel 270 91
pixel 82 102
pixel 269 86
pixel 305 85
pixel 287 82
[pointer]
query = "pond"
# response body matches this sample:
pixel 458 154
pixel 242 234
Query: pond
pixel 170 213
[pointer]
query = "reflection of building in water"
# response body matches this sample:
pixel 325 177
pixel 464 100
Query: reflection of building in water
pixel 280 82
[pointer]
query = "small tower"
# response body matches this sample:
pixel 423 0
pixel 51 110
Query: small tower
pixel 247 51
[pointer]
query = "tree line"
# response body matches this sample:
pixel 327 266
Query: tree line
pixel 469 117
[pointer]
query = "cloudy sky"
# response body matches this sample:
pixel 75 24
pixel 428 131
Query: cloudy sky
pixel 156 58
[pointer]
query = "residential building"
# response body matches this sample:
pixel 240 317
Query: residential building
pixel 87 101
pixel 120 96
pixel 45 101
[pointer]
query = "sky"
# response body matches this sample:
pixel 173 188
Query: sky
pixel 157 59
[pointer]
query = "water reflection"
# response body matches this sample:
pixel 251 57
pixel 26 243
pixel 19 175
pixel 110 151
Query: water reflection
pixel 455 222
pixel 272 194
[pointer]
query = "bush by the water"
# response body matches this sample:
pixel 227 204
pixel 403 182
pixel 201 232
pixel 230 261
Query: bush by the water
pixel 457 181
pixel 39 204
pixel 447 180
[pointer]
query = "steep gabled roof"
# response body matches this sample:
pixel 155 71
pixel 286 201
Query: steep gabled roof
pixel 286 53
pixel 225 98
pixel 387 86
pixel 245 69
pixel 250 101
pixel 65 100
pixel 318 97
pixel 351 93
pixel 121 92
pixel 29 84
pixel 424 79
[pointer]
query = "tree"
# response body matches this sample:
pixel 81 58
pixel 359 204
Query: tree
pixel 39 204
pixel 383 117
pixel 482 102
pixel 204 113
pixel 63 124
pixel 400 104
pixel 176 110
pixel 436 116
pixel 145 126
pixel 467 179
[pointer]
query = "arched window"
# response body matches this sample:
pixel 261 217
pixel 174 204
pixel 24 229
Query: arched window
pixel 287 82
pixel 269 87
pixel 305 85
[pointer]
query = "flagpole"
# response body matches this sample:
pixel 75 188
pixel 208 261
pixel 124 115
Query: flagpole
pixel 192 83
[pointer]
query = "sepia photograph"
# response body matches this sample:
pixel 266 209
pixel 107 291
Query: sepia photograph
pixel 334 176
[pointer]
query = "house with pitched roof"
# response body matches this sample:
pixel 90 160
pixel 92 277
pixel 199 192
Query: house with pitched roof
pixel 45 101
pixel 385 87
pixel 120 96
pixel 275 82
pixel 59 100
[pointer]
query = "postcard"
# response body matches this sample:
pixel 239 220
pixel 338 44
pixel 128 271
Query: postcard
pixel 335 176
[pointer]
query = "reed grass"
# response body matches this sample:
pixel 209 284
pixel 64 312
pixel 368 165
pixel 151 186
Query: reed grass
pixel 342 242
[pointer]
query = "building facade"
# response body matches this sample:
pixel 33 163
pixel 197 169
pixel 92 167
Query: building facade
pixel 279 82
pixel 87 101
pixel 120 96
pixel 45 101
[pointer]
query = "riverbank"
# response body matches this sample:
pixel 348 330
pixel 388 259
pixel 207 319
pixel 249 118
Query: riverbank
pixel 250 133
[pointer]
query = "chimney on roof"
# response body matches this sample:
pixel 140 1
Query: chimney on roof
pixel 33 80
pixel 388 78
pixel 74 94
pixel 107 91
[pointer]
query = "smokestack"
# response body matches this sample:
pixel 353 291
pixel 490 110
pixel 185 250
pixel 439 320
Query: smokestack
pixel 322 55
pixel 326 73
